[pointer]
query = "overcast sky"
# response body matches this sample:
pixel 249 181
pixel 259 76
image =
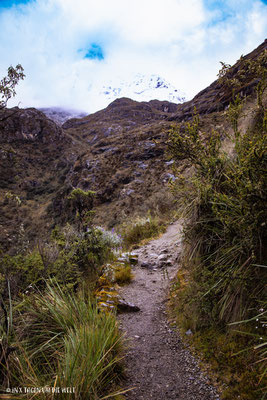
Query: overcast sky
pixel 70 48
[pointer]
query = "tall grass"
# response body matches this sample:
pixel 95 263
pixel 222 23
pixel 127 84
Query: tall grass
pixel 64 341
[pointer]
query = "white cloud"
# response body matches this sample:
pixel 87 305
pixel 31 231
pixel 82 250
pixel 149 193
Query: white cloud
pixel 183 41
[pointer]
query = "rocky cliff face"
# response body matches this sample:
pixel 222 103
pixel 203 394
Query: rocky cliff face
pixel 119 152
pixel 27 125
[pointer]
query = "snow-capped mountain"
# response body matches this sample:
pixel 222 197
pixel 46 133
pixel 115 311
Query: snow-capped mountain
pixel 142 88
pixel 138 87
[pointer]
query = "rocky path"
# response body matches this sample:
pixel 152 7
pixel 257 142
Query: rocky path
pixel 159 367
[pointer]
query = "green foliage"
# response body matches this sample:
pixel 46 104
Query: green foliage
pixel 224 201
pixel 63 341
pixel 9 82
pixel 81 204
pixel 233 113
pixel 20 271
pixel 69 257
pixel 227 217
pixel 247 70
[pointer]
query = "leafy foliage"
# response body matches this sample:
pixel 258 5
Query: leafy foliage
pixel 9 82
pixel 247 69
pixel 69 257
pixel 81 203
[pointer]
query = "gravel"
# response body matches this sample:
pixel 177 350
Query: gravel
pixel 158 365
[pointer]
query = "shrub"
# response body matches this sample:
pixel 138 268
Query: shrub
pixel 69 257
pixel 227 216
pixel 225 231
pixel 110 238
pixel 80 203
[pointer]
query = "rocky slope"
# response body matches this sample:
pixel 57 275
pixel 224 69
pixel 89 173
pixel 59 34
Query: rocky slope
pixel 217 96
pixel 119 152
pixel 33 164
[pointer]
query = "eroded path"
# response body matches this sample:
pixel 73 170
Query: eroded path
pixel 158 365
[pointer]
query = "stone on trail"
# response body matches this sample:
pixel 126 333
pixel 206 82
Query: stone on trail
pixel 124 306
pixel 147 265
pixel 133 259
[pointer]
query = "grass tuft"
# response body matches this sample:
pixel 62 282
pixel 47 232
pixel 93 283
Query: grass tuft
pixel 123 274
pixel 65 341
pixel 135 232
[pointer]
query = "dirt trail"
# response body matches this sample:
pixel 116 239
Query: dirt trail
pixel 158 365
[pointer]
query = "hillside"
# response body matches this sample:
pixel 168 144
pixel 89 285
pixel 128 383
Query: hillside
pixel 118 152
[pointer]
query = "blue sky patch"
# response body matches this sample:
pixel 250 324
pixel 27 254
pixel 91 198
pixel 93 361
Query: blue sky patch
pixel 222 11
pixel 94 52
pixel 10 3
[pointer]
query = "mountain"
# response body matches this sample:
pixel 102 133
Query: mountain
pixel 118 152
pixel 142 88
pixel 139 88
pixel 61 115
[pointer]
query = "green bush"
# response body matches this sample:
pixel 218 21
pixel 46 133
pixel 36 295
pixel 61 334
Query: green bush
pixel 227 217
pixel 69 257
pixel 224 205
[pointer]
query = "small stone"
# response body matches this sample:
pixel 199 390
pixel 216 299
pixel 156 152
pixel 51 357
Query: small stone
pixel 124 306
pixel 189 332
pixel 164 251
pixel 133 259
pixel 162 257
pixel 147 265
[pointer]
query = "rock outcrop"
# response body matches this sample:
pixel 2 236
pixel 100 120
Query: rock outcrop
pixel 28 125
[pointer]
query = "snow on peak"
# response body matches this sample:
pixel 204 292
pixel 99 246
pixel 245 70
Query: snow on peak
pixel 142 88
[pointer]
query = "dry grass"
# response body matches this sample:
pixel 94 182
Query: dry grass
pixel 123 275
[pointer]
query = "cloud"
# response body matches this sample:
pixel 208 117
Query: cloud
pixel 69 49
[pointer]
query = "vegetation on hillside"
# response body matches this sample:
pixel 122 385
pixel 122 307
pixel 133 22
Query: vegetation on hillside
pixel 224 262
pixel 53 332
